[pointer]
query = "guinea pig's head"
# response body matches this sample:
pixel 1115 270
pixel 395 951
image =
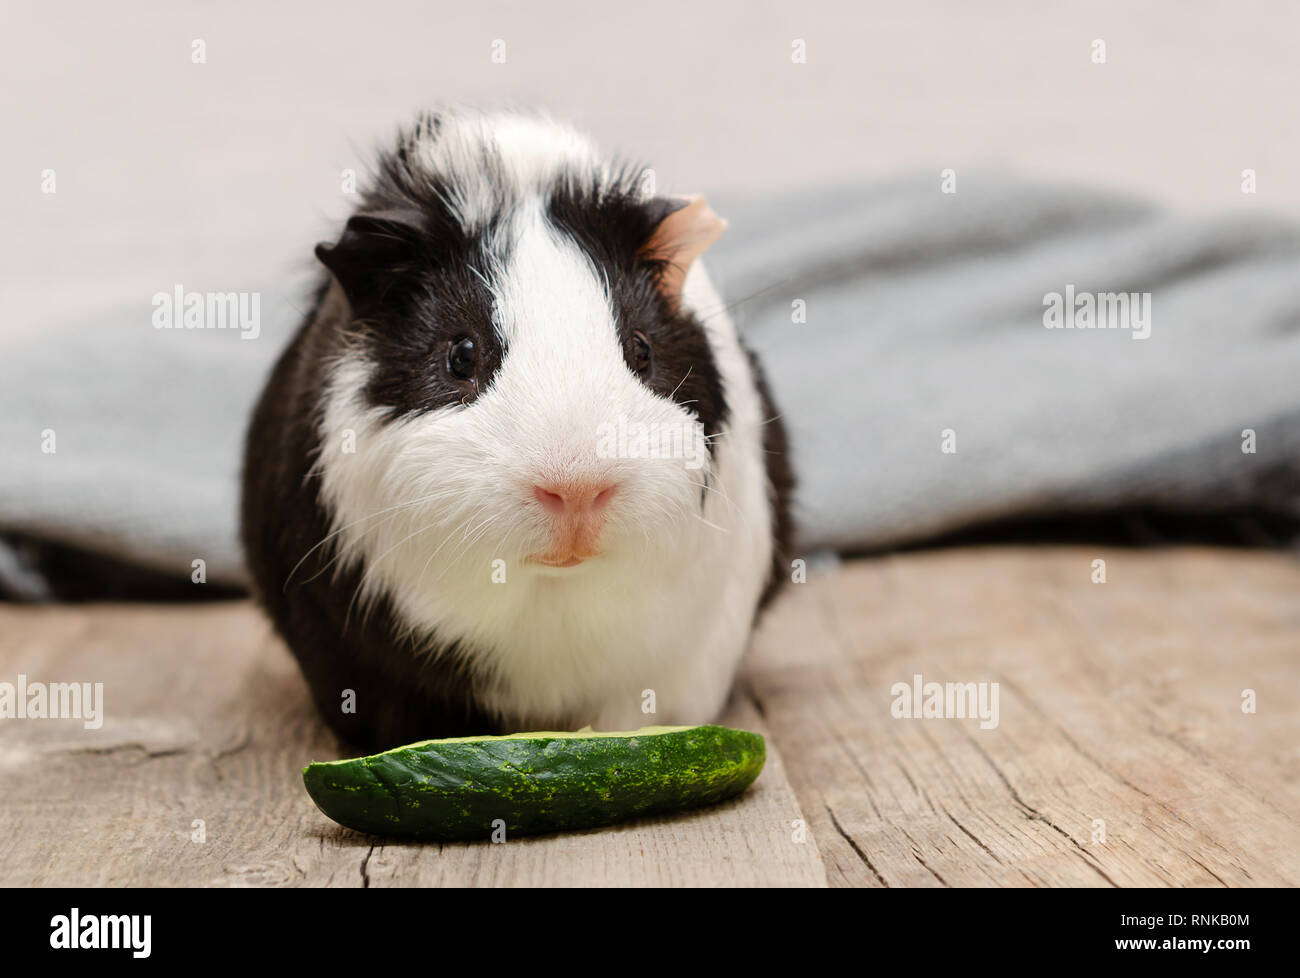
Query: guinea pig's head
pixel 518 379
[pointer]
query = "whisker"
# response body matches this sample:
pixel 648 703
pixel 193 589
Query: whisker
pixel 334 533
pixel 680 382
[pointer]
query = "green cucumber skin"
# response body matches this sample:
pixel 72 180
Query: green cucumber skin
pixel 447 790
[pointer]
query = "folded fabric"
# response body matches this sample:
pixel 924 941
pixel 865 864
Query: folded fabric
pixel 940 360
pixel 926 314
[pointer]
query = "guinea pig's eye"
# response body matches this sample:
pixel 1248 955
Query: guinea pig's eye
pixel 462 359
pixel 640 352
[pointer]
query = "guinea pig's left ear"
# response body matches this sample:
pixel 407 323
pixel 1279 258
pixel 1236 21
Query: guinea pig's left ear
pixel 372 249
pixel 687 229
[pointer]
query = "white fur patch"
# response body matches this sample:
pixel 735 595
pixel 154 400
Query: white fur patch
pixel 474 151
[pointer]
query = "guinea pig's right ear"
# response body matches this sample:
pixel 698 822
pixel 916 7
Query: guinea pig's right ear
pixel 685 228
pixel 372 249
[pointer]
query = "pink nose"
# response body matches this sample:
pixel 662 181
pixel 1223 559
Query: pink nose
pixel 574 498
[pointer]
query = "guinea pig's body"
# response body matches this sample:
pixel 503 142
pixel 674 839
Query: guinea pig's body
pixel 516 470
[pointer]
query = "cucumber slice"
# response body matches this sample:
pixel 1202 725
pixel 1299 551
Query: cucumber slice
pixel 544 781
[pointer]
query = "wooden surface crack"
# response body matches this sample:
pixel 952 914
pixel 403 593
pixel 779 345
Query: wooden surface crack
pixel 856 848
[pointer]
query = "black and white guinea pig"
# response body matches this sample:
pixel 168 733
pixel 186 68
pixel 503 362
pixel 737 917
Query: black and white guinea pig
pixel 516 469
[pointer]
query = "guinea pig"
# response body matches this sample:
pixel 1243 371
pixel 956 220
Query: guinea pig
pixel 516 470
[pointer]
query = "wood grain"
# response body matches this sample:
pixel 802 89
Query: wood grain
pixel 1119 702
pixel 207 718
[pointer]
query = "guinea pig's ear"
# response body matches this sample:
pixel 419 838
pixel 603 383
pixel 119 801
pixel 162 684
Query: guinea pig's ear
pixel 372 248
pixel 685 228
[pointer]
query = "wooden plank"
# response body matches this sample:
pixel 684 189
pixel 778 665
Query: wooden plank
pixel 1119 702
pixel 1120 707
pixel 207 719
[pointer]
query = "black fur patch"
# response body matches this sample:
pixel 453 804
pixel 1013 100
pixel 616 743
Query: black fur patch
pixel 611 224
pixel 416 283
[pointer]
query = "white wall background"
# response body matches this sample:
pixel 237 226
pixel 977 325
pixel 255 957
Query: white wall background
pixel 164 166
